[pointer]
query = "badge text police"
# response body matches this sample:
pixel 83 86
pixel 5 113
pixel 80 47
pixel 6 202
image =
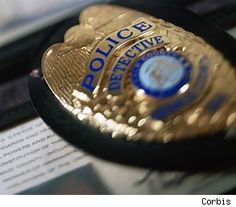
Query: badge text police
pixel 106 47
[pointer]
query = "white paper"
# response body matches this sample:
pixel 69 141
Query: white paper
pixel 31 154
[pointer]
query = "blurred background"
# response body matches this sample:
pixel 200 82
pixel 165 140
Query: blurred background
pixel 20 17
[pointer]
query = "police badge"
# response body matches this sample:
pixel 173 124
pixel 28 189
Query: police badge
pixel 134 78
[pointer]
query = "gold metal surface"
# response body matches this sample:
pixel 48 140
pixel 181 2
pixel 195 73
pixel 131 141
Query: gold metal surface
pixel 126 112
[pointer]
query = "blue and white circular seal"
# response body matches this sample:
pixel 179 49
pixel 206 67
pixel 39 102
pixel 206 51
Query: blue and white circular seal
pixel 161 74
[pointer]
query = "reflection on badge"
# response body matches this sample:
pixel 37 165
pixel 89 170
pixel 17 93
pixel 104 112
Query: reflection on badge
pixel 138 77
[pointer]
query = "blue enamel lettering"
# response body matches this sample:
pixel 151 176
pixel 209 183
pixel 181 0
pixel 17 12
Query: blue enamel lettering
pixel 96 64
pixel 142 26
pixel 88 82
pixel 124 34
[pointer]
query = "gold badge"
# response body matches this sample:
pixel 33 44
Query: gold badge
pixel 135 76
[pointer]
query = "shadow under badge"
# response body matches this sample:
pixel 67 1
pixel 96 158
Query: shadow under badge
pixel 141 85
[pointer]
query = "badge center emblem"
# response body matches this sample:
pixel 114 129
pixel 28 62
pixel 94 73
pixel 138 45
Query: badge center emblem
pixel 161 74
